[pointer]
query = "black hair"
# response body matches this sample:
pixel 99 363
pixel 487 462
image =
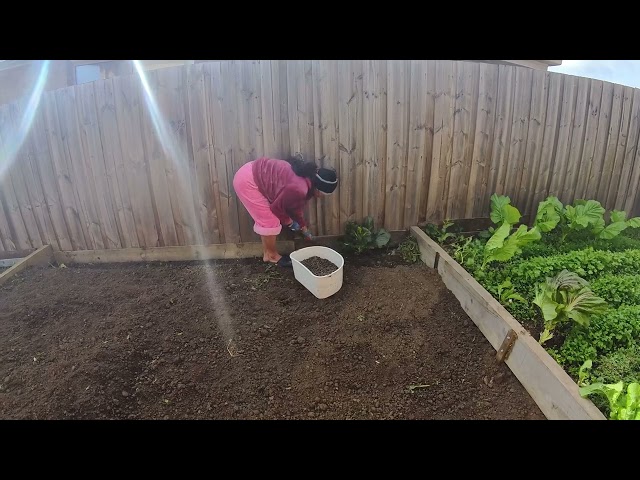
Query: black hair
pixel 304 169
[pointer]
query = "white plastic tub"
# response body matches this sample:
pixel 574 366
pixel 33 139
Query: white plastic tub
pixel 321 287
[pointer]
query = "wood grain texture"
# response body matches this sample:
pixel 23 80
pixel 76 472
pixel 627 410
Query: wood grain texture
pixel 149 160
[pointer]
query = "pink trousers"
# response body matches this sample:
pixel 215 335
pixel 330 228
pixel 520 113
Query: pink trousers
pixel 266 223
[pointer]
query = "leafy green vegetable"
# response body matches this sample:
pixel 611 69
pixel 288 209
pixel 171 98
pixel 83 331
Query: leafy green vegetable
pixel 583 372
pixel 486 234
pixel 549 214
pixel 633 222
pixel 611 391
pixel 498 237
pixel 440 235
pixel 566 297
pixel 621 216
pixel 622 405
pixel 467 251
pixel 566 280
pixel 587 263
pixel 618 216
pixel 502 246
pixel 507 294
pixel 583 215
pixel 612 230
pixel 616 332
pixel 359 238
pixel 382 237
pixel 618 289
pixel 599 321
pixel 551 243
pixel 368 223
pixel 502 211
pixel 621 364
pixel 409 250
pixel 618 224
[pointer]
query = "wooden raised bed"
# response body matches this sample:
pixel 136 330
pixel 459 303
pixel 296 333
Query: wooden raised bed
pixel 41 256
pixel 168 254
pixel 163 342
pixel 198 252
pixel 548 384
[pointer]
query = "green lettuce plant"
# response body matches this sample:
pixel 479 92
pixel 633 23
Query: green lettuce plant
pixel 502 246
pixel 624 403
pixel 566 297
pixel 549 214
pixel 361 237
pixel 502 211
pixel 507 294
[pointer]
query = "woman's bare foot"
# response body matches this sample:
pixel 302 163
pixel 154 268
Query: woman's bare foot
pixel 271 258
pixel 269 251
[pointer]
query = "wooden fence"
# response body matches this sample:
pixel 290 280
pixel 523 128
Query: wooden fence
pixel 125 163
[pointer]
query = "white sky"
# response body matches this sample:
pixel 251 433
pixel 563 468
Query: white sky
pixel 624 72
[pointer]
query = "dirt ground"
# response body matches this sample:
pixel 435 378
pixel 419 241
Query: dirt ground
pixel 319 266
pixel 240 340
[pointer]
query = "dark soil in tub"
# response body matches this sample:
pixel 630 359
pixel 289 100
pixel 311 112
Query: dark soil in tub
pixel 319 266
pixel 245 341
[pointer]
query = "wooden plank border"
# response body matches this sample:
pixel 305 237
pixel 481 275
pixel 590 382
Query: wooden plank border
pixel 169 254
pixel 553 390
pixel 41 256
pixel 19 254
pixel 198 252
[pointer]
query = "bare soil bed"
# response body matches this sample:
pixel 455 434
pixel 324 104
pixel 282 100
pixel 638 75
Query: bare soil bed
pixel 243 340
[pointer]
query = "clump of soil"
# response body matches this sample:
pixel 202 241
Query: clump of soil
pixel 320 266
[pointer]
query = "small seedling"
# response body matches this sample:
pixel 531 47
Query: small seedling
pixel 409 250
pixel 583 373
pixel 507 294
pixel 464 251
pixel 440 235
pixel 262 279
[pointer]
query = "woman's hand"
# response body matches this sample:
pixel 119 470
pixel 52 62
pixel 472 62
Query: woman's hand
pixel 294 226
pixel 307 234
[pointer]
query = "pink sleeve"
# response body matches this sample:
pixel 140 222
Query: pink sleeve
pixel 290 201
pixel 298 215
